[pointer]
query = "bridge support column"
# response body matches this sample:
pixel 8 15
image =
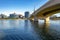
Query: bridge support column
pixel 47 20
pixel 35 19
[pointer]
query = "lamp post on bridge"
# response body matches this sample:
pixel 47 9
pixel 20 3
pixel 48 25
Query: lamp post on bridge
pixel 35 17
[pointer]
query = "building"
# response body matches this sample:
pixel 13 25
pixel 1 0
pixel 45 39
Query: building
pixel 3 16
pixel 26 14
pixel 53 16
pixel 14 15
pixel 20 16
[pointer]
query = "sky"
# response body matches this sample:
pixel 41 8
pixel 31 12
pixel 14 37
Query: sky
pixel 20 6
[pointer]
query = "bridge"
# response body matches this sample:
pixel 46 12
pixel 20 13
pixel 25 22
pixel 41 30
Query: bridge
pixel 48 9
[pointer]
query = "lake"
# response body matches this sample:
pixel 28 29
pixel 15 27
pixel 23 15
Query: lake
pixel 28 30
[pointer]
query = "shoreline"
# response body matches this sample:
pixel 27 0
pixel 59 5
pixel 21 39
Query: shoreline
pixel 10 18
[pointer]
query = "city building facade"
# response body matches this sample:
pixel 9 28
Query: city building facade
pixel 26 14
pixel 3 16
pixel 14 15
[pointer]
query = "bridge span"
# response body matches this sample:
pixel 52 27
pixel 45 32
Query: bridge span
pixel 48 9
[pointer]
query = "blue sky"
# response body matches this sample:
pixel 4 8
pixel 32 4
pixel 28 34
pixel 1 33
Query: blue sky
pixel 19 6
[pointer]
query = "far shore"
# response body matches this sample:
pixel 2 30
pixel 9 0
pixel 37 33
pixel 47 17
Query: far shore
pixel 22 19
pixel 9 18
pixel 56 19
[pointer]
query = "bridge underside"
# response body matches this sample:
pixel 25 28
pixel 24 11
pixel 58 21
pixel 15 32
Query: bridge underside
pixel 48 11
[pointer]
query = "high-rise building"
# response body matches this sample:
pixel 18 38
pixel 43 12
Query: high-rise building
pixel 26 14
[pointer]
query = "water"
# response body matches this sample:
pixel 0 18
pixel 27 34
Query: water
pixel 27 30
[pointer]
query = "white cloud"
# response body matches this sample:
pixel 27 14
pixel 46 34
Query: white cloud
pixel 10 12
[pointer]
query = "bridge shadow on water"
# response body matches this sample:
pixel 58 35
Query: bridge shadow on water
pixel 45 32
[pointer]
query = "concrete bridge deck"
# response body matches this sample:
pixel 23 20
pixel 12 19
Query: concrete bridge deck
pixel 48 9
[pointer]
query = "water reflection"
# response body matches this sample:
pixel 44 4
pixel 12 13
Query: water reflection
pixel 26 25
pixel 14 22
pixel 43 31
pixel 45 28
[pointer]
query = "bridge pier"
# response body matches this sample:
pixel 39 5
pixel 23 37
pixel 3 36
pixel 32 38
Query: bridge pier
pixel 47 20
pixel 35 19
